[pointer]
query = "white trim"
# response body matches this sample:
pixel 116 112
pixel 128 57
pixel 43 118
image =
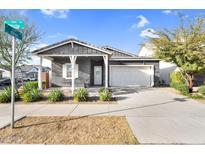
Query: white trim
pixel 76 71
pixel 131 59
pixel 151 74
pixel 67 55
pixel 40 74
pixel 72 41
pixel 105 58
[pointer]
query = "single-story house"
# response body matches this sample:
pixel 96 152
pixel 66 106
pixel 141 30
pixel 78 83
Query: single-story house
pixel 77 64
pixel 166 68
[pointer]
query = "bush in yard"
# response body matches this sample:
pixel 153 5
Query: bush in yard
pixel 183 88
pixel 29 86
pixel 5 95
pixel 201 90
pixel 81 95
pixel 176 78
pixel 55 95
pixel 101 89
pixel 31 96
pixel 178 82
pixel 196 96
pixel 105 95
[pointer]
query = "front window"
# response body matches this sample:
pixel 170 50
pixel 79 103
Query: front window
pixel 67 71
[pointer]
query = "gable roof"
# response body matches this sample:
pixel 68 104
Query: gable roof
pixel 58 44
pixel 119 51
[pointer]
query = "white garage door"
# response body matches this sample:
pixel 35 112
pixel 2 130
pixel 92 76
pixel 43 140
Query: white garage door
pixel 131 75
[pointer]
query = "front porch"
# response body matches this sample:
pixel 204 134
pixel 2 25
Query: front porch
pixel 77 71
pixel 75 64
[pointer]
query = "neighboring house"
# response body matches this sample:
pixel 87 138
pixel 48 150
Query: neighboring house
pixel 29 72
pixel 97 66
pixel 166 68
pixel 4 73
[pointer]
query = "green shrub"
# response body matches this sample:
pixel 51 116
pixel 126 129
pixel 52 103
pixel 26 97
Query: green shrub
pixel 183 88
pixel 5 95
pixel 178 82
pixel 81 95
pixel 176 78
pixel 31 96
pixel 101 89
pixel 105 95
pixel 196 96
pixel 55 95
pixel 29 86
pixel 201 90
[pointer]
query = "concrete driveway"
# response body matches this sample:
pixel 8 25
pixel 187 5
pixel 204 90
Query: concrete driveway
pixel 156 116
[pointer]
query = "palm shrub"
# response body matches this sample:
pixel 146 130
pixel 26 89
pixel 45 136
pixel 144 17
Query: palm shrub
pixel 81 95
pixel 201 90
pixel 105 95
pixel 31 96
pixel 29 86
pixel 55 95
pixel 5 95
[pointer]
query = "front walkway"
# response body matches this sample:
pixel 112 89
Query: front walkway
pixel 155 116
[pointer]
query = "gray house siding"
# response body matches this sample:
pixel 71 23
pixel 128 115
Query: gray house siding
pixel 85 71
pixel 142 62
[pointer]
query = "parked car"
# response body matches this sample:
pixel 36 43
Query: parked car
pixel 5 82
pixel 29 79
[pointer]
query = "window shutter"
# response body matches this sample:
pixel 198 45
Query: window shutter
pixel 64 71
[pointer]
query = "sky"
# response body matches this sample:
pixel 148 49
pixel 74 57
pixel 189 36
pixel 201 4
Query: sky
pixel 123 29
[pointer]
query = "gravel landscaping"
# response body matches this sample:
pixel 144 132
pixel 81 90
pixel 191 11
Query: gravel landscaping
pixel 69 130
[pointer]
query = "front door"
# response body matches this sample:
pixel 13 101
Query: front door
pixel 97 75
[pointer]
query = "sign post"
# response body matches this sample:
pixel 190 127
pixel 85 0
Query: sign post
pixel 11 28
pixel 13 82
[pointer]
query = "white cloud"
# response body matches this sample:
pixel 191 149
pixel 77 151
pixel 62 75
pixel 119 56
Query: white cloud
pixel 149 32
pixel 57 13
pixel 167 12
pixel 141 23
pixel 37 46
pixel 61 35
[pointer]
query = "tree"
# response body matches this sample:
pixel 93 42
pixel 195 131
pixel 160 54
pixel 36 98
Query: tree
pixel 183 46
pixel 23 53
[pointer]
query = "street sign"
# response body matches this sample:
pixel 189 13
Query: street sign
pixel 12 31
pixel 17 24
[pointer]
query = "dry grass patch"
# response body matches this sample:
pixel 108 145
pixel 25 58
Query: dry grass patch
pixel 69 130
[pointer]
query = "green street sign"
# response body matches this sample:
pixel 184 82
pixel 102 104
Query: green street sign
pixel 17 24
pixel 12 31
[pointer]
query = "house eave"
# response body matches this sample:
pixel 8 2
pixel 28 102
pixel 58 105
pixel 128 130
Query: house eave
pixel 41 50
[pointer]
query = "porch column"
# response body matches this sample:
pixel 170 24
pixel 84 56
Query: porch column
pixel 72 60
pixel 106 70
pixel 39 74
